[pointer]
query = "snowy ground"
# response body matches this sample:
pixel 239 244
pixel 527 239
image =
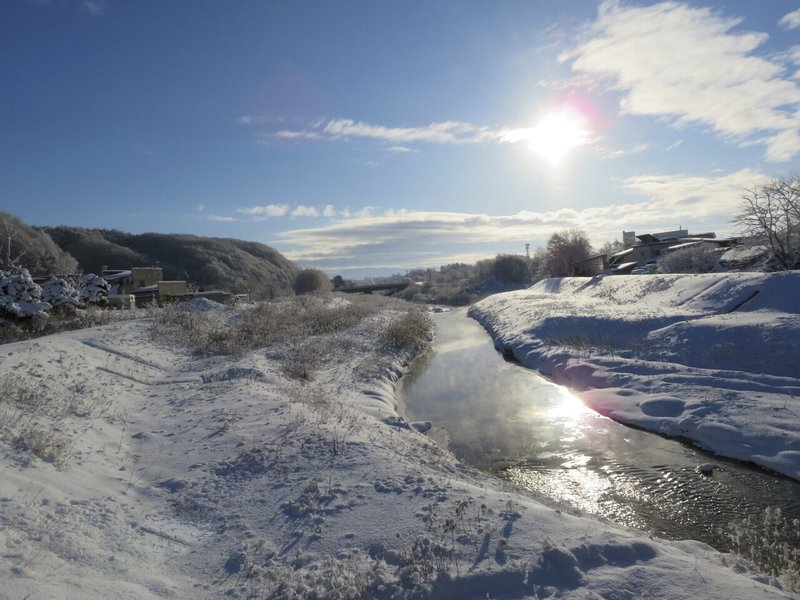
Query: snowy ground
pixel 712 358
pixel 130 469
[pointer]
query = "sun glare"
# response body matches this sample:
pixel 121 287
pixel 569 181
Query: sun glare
pixel 556 134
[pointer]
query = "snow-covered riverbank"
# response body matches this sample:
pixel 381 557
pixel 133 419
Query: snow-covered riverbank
pixel 711 358
pixel 129 469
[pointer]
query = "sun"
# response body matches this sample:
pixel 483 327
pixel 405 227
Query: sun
pixel 556 134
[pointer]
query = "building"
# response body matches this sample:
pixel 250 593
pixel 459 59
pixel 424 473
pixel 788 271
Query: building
pixel 147 284
pixel 594 265
pixel 647 248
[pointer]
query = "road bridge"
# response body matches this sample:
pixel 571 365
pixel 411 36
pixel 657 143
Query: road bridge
pixel 378 287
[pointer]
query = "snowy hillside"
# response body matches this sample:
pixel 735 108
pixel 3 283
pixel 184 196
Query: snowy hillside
pixel 131 469
pixel 711 358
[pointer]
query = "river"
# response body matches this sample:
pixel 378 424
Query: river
pixel 498 416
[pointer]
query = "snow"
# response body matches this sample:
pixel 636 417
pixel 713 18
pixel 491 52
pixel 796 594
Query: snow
pixel 200 305
pixel 710 358
pixel 60 293
pixel 94 289
pixel 157 474
pixel 20 297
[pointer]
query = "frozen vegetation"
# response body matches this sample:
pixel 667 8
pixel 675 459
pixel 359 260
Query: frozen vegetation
pixel 211 452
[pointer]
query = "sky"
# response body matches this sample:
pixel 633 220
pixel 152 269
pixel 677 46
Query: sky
pixel 372 137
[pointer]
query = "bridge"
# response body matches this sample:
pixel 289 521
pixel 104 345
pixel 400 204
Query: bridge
pixel 368 289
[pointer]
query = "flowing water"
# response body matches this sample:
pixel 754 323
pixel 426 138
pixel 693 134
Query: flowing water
pixel 501 417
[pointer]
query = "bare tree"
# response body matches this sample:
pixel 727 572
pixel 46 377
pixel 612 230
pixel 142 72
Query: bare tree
pixel 771 212
pixel 31 248
pixel 565 249
pixel 11 253
pixel 611 248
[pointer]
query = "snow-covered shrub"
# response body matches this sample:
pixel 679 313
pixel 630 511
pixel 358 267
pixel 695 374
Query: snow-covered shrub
pixel 94 290
pixel 700 258
pixel 411 330
pixel 311 281
pixel 60 294
pixel 789 261
pixel 748 256
pixel 20 297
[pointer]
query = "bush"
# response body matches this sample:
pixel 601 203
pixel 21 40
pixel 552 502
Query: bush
pixel 699 258
pixel 411 330
pixel 310 281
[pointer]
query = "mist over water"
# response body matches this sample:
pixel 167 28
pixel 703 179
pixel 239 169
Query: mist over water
pixel 503 418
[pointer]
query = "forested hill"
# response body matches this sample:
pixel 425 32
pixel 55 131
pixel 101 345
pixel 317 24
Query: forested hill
pixel 218 263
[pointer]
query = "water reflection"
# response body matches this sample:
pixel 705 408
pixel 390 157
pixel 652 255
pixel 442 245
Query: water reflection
pixel 504 418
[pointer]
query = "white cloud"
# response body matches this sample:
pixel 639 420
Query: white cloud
pixel 675 145
pixel 221 218
pixel 267 210
pixel 400 149
pixel 791 20
pixel 396 237
pixel 201 207
pixel 695 198
pixel 608 152
pixel 445 132
pixel 686 64
pixel 305 211
pixel 93 7
pixel 297 135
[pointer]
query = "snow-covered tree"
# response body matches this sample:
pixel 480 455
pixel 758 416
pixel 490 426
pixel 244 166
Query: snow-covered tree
pixel 94 290
pixel 61 294
pixel 20 297
pixel 771 212
pixel 700 258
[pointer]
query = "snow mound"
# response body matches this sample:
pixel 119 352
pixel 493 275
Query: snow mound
pixel 200 305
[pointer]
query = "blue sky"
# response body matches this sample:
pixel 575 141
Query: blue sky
pixel 373 137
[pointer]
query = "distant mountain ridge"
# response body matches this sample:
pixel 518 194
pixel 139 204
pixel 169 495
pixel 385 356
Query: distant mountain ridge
pixel 211 263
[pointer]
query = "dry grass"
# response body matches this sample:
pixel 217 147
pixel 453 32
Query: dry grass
pixel 80 319
pixel 304 333
pixel 33 419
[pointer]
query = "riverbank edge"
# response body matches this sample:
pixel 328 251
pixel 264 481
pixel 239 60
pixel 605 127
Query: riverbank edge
pixel 581 374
